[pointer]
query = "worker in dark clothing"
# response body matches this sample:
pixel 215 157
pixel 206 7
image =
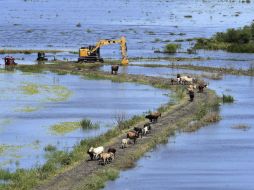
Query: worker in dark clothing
pixel 191 94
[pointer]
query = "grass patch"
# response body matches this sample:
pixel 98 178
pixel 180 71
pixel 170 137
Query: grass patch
pixel 241 127
pixel 64 127
pixel 171 48
pixel 227 99
pixel 54 93
pixel 27 109
pixel 67 127
pixel 50 148
pixel 30 88
pixel 88 124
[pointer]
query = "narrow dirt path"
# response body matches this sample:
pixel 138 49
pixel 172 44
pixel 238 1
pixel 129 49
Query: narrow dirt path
pixel 74 178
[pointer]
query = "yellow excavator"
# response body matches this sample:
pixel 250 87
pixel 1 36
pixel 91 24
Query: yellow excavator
pixel 92 53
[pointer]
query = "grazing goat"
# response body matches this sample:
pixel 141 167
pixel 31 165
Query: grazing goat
pixel 148 125
pixel 95 152
pixel 113 150
pixel 191 87
pixel 114 69
pixel 153 117
pixel 201 87
pixel 133 135
pixel 106 158
pixel 124 143
pixel 138 130
pixel 174 81
pixel 186 80
pixel 145 130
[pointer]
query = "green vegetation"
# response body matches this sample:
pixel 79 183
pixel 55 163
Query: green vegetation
pixel 227 99
pixel 88 124
pixel 27 109
pixel 67 127
pixel 54 93
pixel 30 88
pixel 64 127
pixel 4 148
pixel 233 40
pixel 50 148
pixel 171 48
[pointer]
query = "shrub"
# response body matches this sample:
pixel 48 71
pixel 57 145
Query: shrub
pixel 171 48
pixel 88 124
pixel 49 148
pixel 227 98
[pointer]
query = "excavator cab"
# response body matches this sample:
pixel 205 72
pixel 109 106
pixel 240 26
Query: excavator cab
pixel 87 55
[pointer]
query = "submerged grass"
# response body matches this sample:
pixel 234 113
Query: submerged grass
pixel 243 127
pixel 227 99
pixel 64 127
pixel 67 127
pixel 54 93
pixel 27 109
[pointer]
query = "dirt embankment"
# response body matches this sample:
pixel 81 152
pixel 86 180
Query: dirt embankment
pixel 80 176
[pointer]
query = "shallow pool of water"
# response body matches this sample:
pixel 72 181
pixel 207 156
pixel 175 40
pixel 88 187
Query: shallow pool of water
pixel 31 103
pixel 215 157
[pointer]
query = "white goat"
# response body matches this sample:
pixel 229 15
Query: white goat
pixel 145 130
pixel 125 143
pixel 96 151
pixel 186 79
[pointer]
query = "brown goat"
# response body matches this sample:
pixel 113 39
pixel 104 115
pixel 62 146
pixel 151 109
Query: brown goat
pixel 133 135
pixel 153 117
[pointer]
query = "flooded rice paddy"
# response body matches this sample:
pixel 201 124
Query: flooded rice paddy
pixel 215 157
pixel 32 103
pixel 39 25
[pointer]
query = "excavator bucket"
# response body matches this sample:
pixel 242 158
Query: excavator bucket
pixel 125 61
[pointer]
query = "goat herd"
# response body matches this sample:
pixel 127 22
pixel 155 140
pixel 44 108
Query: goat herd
pixel 107 157
pixel 192 82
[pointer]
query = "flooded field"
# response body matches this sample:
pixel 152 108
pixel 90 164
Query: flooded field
pixel 152 71
pixel 216 63
pixel 32 103
pixel 215 157
pixel 37 24
pixel 38 109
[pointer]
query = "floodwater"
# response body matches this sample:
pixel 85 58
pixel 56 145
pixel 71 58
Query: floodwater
pixel 215 157
pixel 152 71
pixel 39 24
pixel 213 62
pixel 26 118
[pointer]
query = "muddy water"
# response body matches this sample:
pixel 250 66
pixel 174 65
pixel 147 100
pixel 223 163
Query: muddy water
pixel 39 25
pixel 215 157
pixel 26 118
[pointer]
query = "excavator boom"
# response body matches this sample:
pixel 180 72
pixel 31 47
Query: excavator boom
pixel 94 51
